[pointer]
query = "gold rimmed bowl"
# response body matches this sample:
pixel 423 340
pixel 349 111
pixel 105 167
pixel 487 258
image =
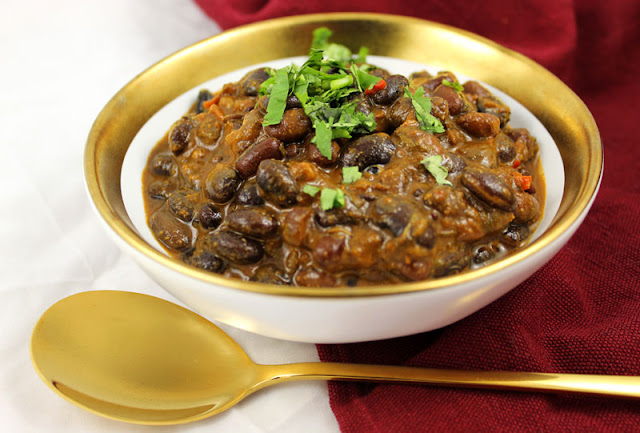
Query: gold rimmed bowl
pixel 571 154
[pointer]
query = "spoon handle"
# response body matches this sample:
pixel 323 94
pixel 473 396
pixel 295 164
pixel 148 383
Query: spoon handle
pixel 623 386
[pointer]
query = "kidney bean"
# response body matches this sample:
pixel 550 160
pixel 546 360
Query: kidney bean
pixel 259 222
pixel 295 124
pixel 164 164
pixel 294 228
pixel 368 150
pixel 489 188
pixel 179 135
pixel 203 95
pixel 327 251
pixel 451 261
pixel 169 231
pixel 475 88
pixel 277 182
pixel 209 216
pixel 221 183
pixel 235 248
pixel 453 163
pixel 436 81
pixel 249 195
pixel 182 204
pixel 267 148
pixel 454 100
pixel 250 83
pixel 392 91
pixel 439 108
pixel 479 124
pixel 314 155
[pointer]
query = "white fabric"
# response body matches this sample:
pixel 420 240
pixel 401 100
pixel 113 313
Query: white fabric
pixel 60 63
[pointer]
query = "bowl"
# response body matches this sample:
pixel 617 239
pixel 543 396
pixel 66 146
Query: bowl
pixel 347 314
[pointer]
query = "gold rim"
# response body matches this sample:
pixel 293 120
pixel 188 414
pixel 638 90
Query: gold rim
pixel 559 109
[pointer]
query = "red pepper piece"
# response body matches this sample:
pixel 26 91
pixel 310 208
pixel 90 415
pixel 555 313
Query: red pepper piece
pixel 516 163
pixel 376 87
pixel 523 182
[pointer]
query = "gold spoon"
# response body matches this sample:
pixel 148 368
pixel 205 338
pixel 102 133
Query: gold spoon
pixel 144 360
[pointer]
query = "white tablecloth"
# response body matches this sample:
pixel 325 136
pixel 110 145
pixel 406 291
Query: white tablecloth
pixel 60 63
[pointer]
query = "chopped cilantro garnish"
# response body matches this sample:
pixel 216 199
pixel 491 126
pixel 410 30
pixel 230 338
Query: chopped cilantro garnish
pixel 330 198
pixel 362 55
pixel 277 98
pixel 312 190
pixel 323 85
pixel 422 105
pixel 454 85
pixel 350 174
pixel 433 166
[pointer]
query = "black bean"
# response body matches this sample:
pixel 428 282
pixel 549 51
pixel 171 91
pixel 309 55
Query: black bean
pixel 277 182
pixel 203 95
pixel 392 91
pixel 162 188
pixel 451 261
pixel 268 274
pixel 399 111
pixel 267 148
pixel 392 214
pixel 257 222
pixel 164 164
pixel 505 148
pixel 249 195
pixel 293 102
pixel 328 218
pixel 169 231
pixel 514 234
pixel 235 248
pixel 205 260
pixel 182 204
pixel 179 135
pixel 209 216
pixel 483 254
pixel 494 106
pixel 373 169
pixel 489 188
pixel 427 238
pixel 368 150
pixel 221 184
pixel 250 83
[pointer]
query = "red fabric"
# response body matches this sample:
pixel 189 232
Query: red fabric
pixel 581 312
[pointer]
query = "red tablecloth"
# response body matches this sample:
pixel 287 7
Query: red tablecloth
pixel 581 312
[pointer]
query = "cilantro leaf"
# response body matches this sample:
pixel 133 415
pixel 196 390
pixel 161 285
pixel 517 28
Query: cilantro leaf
pixel 422 105
pixel 350 174
pixel 312 190
pixel 364 80
pixel 454 85
pixel 331 198
pixel 362 55
pixel 321 37
pixel 323 138
pixel 277 98
pixel 433 166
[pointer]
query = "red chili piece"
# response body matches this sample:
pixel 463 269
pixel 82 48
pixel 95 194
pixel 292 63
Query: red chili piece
pixel 376 87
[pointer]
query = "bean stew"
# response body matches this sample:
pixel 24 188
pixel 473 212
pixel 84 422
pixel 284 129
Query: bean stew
pixel 340 173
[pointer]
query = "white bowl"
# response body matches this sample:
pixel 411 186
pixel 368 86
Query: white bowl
pixel 142 111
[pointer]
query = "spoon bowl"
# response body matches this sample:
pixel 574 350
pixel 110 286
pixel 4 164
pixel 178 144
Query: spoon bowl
pixel 138 358
pixel 144 360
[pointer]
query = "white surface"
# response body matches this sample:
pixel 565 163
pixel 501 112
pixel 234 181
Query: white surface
pixel 61 62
